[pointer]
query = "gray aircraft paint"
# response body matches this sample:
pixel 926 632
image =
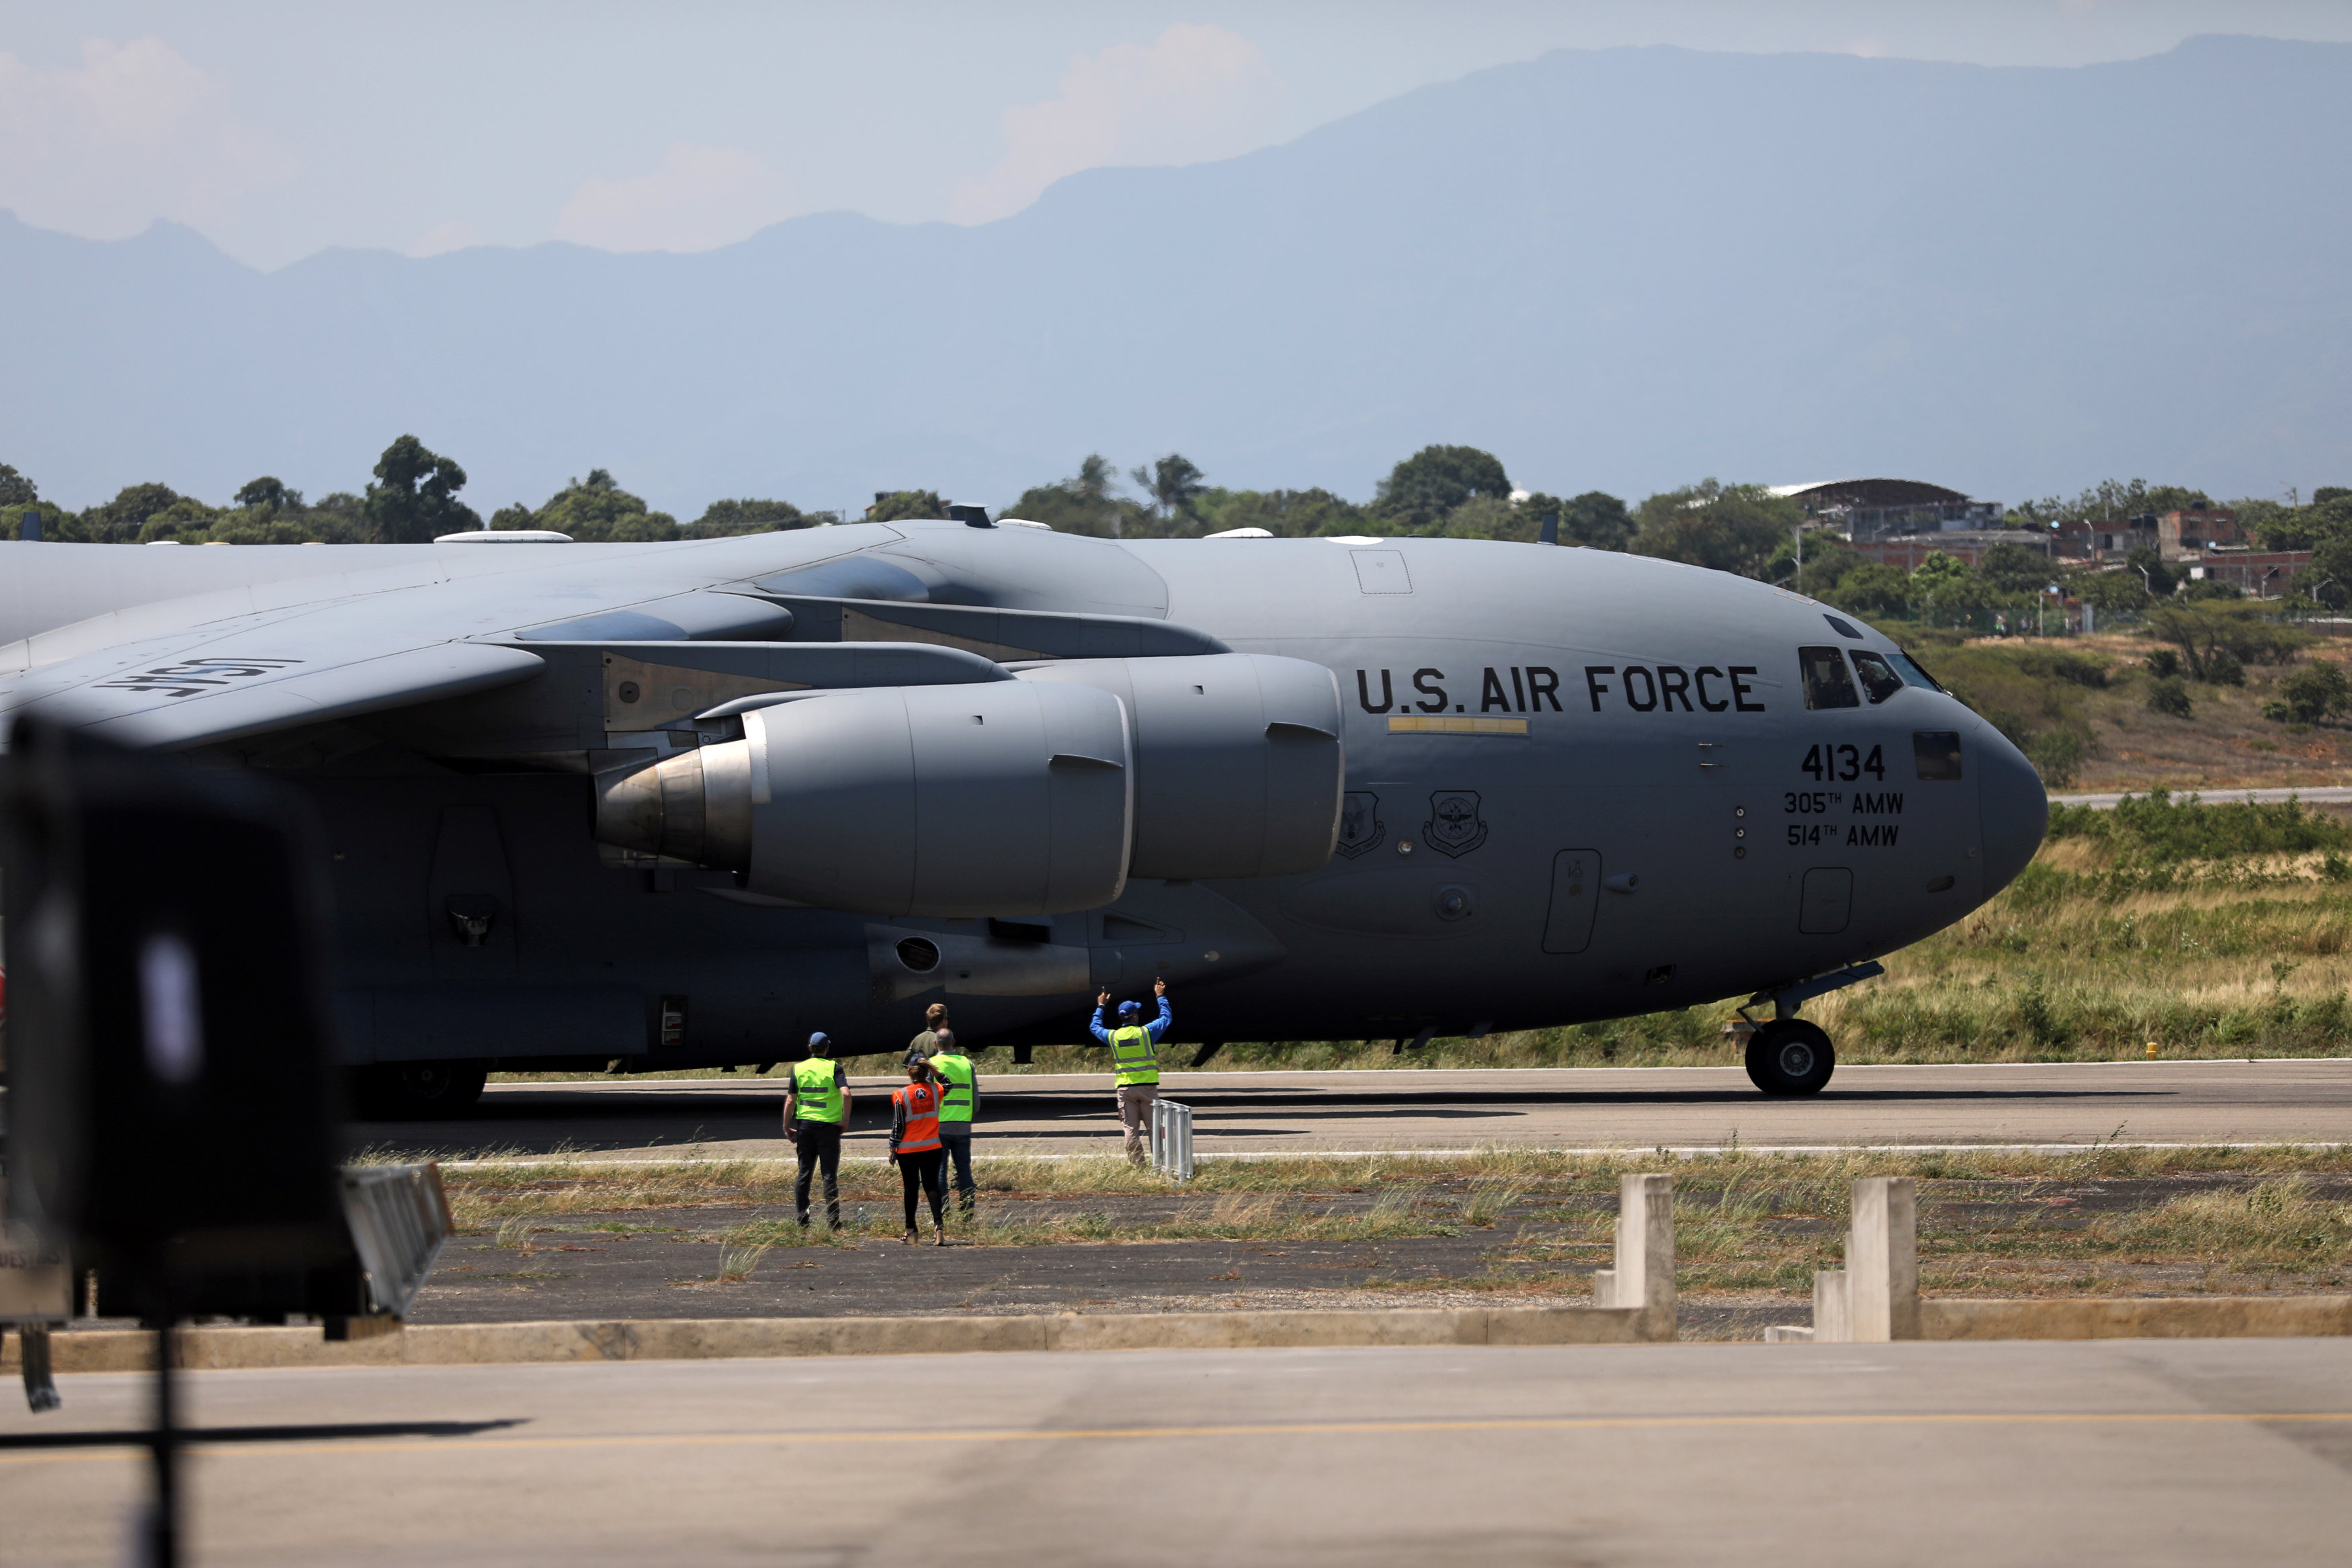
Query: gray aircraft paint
pixel 1606 812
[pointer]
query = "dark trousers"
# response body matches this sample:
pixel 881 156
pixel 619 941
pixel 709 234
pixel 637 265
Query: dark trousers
pixel 930 1169
pixel 818 1145
pixel 957 1137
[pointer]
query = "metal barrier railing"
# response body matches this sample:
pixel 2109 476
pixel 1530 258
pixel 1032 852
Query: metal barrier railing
pixel 1171 1139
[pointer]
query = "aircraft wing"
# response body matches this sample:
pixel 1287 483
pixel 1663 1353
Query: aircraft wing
pixel 216 692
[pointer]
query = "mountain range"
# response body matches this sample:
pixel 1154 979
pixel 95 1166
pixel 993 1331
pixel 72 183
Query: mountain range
pixel 1618 269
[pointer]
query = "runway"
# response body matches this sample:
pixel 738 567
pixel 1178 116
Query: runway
pixel 2141 1453
pixel 2299 1101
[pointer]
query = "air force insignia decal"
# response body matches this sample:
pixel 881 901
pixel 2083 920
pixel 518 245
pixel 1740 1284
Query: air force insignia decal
pixel 1360 826
pixel 1455 826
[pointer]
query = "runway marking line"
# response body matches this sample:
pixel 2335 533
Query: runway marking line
pixel 1133 1434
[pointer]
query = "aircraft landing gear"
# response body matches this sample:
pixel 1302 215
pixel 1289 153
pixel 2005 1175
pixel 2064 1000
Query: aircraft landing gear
pixel 1790 1056
pixel 416 1091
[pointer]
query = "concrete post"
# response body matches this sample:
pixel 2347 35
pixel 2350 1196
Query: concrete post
pixel 1832 1306
pixel 1882 1260
pixel 1644 1274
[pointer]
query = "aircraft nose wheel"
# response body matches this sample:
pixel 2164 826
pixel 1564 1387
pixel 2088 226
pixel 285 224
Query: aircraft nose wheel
pixel 1790 1056
pixel 416 1091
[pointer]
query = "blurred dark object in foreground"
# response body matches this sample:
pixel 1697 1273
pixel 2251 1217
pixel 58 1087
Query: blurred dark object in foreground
pixel 171 1080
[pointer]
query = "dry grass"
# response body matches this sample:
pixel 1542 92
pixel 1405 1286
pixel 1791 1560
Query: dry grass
pixel 1992 1222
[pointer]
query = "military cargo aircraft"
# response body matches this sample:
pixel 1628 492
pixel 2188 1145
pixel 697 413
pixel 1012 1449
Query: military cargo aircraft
pixel 642 806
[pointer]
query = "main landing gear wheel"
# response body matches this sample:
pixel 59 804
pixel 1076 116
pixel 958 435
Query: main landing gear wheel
pixel 1790 1056
pixel 416 1091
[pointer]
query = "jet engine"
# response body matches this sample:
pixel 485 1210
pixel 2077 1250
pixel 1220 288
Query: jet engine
pixel 1002 798
pixel 1238 761
pixel 1033 795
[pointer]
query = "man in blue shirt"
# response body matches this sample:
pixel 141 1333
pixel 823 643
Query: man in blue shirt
pixel 1135 1056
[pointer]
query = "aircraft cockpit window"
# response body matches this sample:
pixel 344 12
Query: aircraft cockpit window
pixel 1826 682
pixel 1879 680
pixel 1937 754
pixel 1843 627
pixel 1912 674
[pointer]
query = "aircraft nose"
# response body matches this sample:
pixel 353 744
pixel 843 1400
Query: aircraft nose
pixel 2013 809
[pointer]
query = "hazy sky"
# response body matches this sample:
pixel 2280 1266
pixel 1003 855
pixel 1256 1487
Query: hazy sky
pixel 279 129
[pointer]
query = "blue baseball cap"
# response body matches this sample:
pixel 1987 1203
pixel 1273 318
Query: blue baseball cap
pixel 819 1039
pixel 1128 1009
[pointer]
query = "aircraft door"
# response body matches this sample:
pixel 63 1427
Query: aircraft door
pixel 1575 894
pixel 1826 902
pixel 470 899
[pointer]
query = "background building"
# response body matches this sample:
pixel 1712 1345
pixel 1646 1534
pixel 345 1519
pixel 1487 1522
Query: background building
pixel 1881 508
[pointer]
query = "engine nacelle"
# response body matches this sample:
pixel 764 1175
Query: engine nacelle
pixel 1001 798
pixel 1239 768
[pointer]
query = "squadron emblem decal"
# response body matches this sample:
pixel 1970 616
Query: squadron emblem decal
pixel 1454 827
pixel 1360 826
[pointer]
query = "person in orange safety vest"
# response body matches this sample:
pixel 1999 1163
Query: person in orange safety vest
pixel 915 1145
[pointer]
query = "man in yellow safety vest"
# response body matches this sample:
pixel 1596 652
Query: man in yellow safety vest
pixel 815 1108
pixel 959 1103
pixel 1135 1056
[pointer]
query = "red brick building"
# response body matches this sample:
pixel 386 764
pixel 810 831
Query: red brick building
pixel 2258 574
pixel 2180 535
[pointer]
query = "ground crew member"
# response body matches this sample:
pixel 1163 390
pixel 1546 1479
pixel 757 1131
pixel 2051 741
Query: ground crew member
pixel 914 1145
pixel 815 1108
pixel 959 1103
pixel 935 1019
pixel 1135 1054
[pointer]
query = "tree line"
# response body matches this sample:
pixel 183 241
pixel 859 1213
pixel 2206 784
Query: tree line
pixel 1440 491
pixel 412 499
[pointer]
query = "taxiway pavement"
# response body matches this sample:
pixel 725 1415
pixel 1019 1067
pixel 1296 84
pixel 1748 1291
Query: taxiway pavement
pixel 2278 1101
pixel 2145 1453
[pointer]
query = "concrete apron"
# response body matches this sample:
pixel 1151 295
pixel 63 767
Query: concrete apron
pixel 691 1339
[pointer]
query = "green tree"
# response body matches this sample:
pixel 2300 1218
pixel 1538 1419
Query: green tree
pixel 2328 577
pixel 270 492
pixel 1595 521
pixel 2111 592
pixel 2015 568
pixel 257 525
pixel 2110 500
pixel 891 505
pixel 2146 565
pixel 415 498
pixel 1289 514
pixel 2217 640
pixel 1872 587
pixel 2206 588
pixel 1727 528
pixel 1081 504
pixel 1426 487
pixel 750 516
pixel 1489 517
pixel 339 517
pixel 2312 695
pixel 597 510
pixel 186 520
pixel 1825 561
pixel 118 521
pixel 2169 694
pixel 1173 483
pixel 15 490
